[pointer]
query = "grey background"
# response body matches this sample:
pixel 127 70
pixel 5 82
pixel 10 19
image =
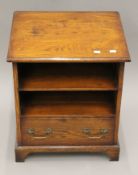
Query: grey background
pixel 71 164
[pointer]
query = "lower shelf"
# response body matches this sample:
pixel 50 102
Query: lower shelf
pixel 96 104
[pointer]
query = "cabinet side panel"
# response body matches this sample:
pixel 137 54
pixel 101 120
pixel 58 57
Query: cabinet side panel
pixel 118 99
pixel 17 103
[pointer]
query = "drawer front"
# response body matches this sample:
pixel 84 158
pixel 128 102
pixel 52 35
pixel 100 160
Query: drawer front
pixel 67 131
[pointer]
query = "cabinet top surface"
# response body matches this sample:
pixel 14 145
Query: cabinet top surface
pixel 67 37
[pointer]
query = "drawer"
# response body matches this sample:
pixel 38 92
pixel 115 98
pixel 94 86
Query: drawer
pixel 67 131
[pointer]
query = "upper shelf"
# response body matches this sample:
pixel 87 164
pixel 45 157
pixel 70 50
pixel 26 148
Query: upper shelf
pixel 67 37
pixel 49 77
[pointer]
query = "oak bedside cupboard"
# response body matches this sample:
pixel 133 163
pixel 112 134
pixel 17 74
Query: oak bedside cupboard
pixel 68 76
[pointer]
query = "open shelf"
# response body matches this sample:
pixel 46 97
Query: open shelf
pixel 67 76
pixel 94 104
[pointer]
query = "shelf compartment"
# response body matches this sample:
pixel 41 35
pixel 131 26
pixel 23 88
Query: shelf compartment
pixel 93 104
pixel 67 76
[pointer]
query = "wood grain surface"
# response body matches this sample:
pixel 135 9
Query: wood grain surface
pixel 67 131
pixel 67 36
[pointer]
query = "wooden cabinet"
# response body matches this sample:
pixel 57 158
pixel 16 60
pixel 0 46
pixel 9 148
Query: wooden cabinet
pixel 68 76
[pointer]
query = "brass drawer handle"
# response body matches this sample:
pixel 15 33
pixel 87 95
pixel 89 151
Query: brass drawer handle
pixel 88 132
pixel 95 137
pixel 32 132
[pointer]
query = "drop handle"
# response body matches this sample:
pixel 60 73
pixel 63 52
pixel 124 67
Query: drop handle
pixel 88 131
pixel 32 133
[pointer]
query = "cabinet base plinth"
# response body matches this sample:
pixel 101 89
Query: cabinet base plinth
pixel 112 151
